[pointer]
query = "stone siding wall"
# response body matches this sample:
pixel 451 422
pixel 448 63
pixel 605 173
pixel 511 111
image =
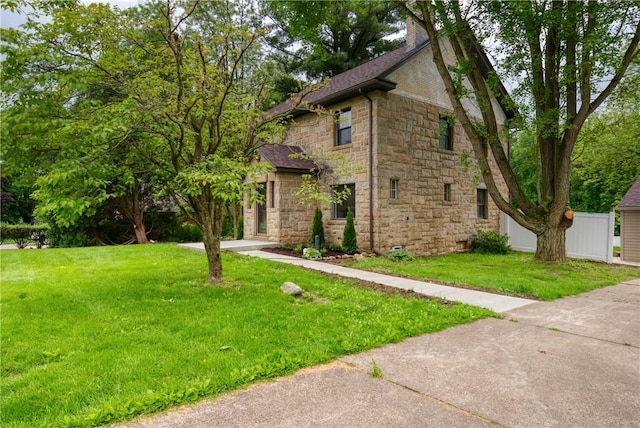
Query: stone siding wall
pixel 317 134
pixel 420 219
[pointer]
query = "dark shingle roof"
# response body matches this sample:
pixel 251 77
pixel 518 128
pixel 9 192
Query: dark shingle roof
pixel 286 159
pixel 366 77
pixel 373 75
pixel 631 199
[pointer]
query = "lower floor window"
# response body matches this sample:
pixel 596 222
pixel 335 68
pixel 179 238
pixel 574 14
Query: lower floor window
pixel 483 207
pixel 340 209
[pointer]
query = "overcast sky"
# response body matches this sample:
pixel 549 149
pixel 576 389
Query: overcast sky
pixel 10 19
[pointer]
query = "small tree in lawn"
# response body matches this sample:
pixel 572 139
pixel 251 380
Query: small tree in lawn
pixel 349 240
pixel 317 229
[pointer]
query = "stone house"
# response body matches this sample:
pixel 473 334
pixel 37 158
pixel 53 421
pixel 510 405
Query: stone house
pixel 412 188
pixel 629 208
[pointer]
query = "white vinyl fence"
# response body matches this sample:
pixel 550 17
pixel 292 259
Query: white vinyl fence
pixel 590 237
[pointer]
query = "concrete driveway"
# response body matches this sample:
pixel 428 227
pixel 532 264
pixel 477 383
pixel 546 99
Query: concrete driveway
pixel 574 362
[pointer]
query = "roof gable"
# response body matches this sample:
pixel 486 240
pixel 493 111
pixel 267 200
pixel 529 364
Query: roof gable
pixel 631 199
pixel 373 75
pixel 365 77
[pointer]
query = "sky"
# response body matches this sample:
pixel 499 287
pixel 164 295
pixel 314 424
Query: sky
pixel 11 20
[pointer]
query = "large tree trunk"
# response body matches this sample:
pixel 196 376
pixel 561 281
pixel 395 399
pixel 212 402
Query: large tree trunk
pixel 550 245
pixel 551 241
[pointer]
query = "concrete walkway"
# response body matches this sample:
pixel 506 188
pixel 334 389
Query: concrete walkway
pixel 495 302
pixel 574 362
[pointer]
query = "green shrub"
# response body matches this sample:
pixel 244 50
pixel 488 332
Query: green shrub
pixel 311 253
pixel 349 240
pixel 399 256
pixel 335 247
pixel 317 229
pixel 490 242
pixel 22 233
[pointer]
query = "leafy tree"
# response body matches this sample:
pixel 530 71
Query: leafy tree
pixel 607 157
pixel 54 125
pixel 325 38
pixel 188 82
pixel 570 57
pixel 349 238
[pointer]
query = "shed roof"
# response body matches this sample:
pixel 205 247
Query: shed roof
pixel 631 199
pixel 286 158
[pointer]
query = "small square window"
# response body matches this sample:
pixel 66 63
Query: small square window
pixel 393 188
pixel 482 201
pixel 447 192
pixel 340 210
pixel 445 133
pixel 343 128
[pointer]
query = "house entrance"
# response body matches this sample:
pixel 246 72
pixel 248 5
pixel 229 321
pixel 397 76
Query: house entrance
pixel 261 211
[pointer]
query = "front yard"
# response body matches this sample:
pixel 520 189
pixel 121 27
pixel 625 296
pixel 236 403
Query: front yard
pixel 514 274
pixel 94 335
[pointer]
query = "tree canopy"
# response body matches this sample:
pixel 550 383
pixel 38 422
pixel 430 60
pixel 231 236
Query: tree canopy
pixel 324 38
pixel 172 89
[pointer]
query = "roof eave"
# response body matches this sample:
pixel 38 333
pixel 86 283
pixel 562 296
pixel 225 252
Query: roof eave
pixel 368 86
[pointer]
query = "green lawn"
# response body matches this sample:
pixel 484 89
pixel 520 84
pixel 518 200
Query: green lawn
pixel 516 273
pixel 100 334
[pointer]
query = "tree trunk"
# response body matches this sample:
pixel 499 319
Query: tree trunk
pixel 211 227
pixel 141 232
pixel 550 245
pixel 551 242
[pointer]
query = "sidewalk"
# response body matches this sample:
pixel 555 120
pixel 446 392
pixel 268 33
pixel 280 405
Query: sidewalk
pixel 571 362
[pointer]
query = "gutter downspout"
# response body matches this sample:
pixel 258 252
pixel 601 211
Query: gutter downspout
pixel 371 193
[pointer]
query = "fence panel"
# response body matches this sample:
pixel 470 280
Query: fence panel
pixel 590 237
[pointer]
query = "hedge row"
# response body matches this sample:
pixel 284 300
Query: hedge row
pixel 23 234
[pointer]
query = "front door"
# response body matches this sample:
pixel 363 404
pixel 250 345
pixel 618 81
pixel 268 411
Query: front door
pixel 261 211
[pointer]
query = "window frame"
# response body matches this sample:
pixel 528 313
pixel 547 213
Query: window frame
pixel 445 139
pixel 342 126
pixel 394 185
pixel 482 204
pixel 446 196
pixel 337 210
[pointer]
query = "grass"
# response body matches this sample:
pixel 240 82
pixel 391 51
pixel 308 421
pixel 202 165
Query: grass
pixel 95 335
pixel 516 273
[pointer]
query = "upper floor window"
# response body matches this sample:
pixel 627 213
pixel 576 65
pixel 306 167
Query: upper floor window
pixel 445 132
pixel 447 192
pixel 340 210
pixel 393 188
pixel 483 203
pixel 343 127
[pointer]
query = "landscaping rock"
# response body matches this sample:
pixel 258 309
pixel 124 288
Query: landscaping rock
pixel 291 289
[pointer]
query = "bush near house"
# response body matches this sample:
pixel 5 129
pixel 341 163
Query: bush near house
pixel 349 240
pixel 490 242
pixel 317 230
